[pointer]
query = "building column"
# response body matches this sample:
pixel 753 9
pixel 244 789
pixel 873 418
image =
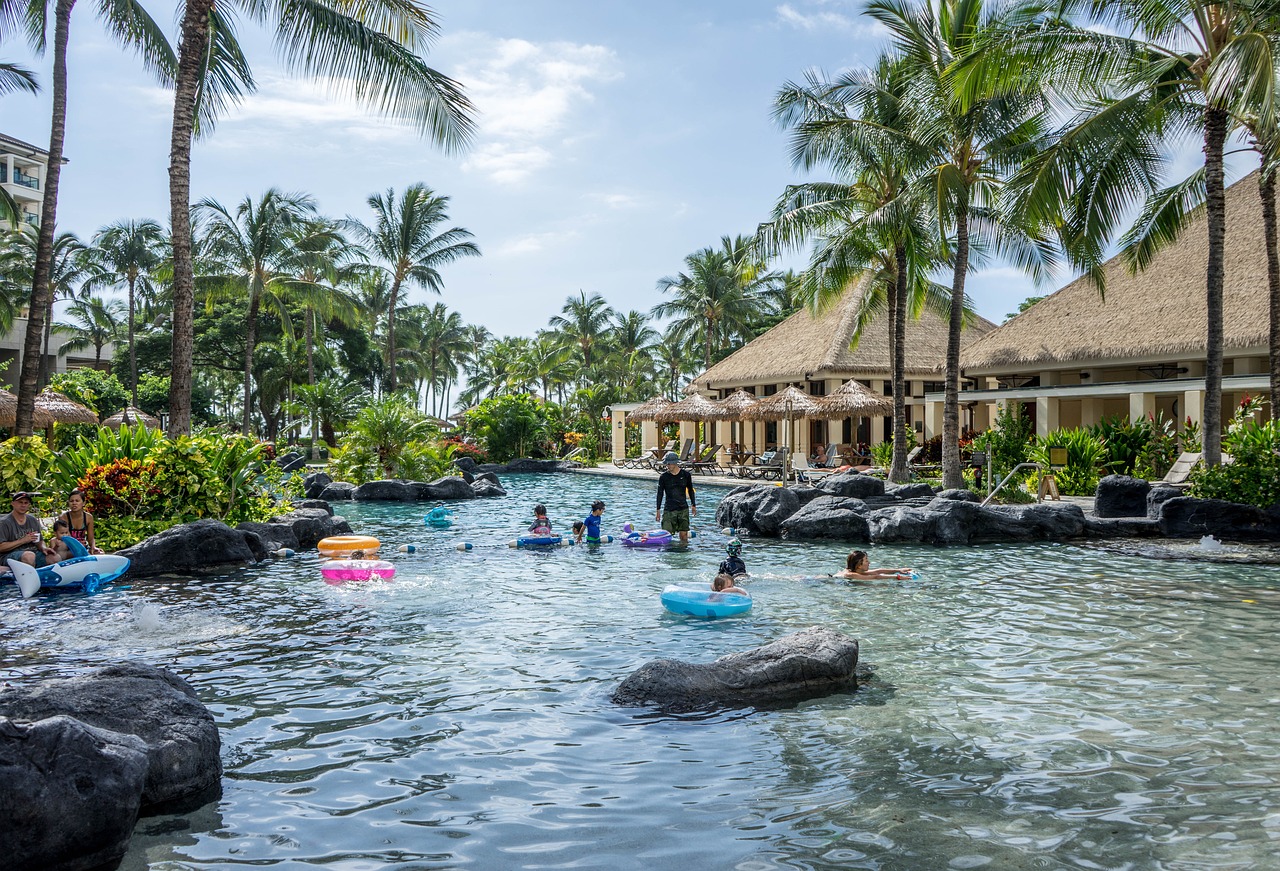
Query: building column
pixel 1046 415
pixel 1140 405
pixel 1090 411
pixel 649 435
pixel 1193 404
pixel 618 434
pixel 932 419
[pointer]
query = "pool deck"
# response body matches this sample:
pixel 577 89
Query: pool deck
pixel 729 481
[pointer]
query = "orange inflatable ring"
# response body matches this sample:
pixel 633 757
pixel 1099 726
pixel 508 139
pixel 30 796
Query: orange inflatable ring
pixel 345 545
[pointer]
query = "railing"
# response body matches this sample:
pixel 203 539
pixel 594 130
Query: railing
pixel 27 181
pixel 1015 471
pixel 33 220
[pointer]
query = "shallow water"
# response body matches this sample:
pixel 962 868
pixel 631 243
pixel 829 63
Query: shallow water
pixel 1032 706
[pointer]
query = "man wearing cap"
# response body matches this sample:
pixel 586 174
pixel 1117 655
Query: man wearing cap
pixel 20 533
pixel 673 484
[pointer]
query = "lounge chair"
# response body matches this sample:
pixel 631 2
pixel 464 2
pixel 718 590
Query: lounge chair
pixel 772 468
pixel 1180 471
pixel 706 463
pixel 806 473
pixel 833 458
pixel 746 470
pixel 685 455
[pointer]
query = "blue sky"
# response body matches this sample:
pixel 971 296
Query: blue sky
pixel 615 138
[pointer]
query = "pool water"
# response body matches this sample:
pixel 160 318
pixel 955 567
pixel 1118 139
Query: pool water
pixel 1031 706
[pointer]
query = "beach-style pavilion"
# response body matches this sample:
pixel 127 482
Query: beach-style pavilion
pixel 1077 356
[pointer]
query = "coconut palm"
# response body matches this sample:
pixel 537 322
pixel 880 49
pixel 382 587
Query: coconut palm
pixel 127 253
pixel 94 321
pixel 248 251
pixel 323 261
pixel 583 321
pixel 404 236
pixel 128 22
pixel 14 78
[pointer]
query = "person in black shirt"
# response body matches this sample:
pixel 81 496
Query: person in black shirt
pixel 734 565
pixel 673 484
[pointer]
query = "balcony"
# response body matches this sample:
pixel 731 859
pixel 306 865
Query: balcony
pixel 32 219
pixel 27 181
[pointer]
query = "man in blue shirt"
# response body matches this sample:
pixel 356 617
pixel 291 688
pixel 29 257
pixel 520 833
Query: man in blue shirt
pixel 673 484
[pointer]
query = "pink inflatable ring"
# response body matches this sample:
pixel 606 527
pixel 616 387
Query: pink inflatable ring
pixel 339 570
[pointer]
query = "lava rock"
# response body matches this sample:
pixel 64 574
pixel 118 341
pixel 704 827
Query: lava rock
pixel 1185 517
pixel 918 490
pixel 959 495
pixel 853 484
pixel 310 526
pixel 383 491
pixel 313 485
pixel 178 733
pixel 760 510
pixel 451 487
pixel 949 521
pixel 1121 527
pixel 69 794
pixel 809 664
pixel 291 462
pixel 487 489
pixel 466 464
pixel 806 494
pixel 830 517
pixel 338 491
pixel 1160 494
pixel 203 546
pixel 1121 496
pixel 314 503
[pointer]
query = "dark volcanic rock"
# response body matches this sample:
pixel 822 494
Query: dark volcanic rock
pixel 960 495
pixel 1185 517
pixel 451 487
pixel 759 510
pixel 806 494
pixel 948 521
pixel 918 490
pixel 202 546
pixel 178 732
pixel 1121 527
pixel 314 503
pixel 1160 494
pixel 69 794
pixel 291 462
pixel 466 464
pixel 852 484
pixel 338 491
pixel 832 517
pixel 313 485
pixel 311 525
pixel 487 489
pixel 808 664
pixel 272 534
pixel 383 491
pixel 1121 496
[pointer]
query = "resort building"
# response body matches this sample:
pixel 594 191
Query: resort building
pixel 816 353
pixel 22 171
pixel 1078 356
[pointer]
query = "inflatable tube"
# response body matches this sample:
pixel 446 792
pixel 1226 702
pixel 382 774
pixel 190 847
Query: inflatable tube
pixel 653 538
pixel 85 574
pixel 439 518
pixel 344 545
pixel 537 541
pixel 74 547
pixel 339 570
pixel 704 603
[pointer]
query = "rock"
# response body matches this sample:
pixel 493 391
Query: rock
pixel 487 489
pixel 383 491
pixel 760 510
pixel 291 462
pixel 313 485
pixel 314 503
pixel 311 525
pixel 960 495
pixel 485 476
pixel 949 521
pixel 1185 517
pixel 852 484
pixel 1121 527
pixel 200 547
pixel 805 494
pixel 833 517
pixel 918 490
pixel 805 665
pixel 273 535
pixel 70 793
pixel 466 464
pixel 179 735
pixel 338 491
pixel 1121 496
pixel 1160 494
pixel 451 487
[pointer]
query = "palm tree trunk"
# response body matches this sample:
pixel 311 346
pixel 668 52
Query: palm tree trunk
pixel 133 352
pixel 1267 190
pixel 389 383
pixel 250 337
pixel 44 356
pixel 41 290
pixel 898 470
pixel 1215 135
pixel 192 44
pixel 952 475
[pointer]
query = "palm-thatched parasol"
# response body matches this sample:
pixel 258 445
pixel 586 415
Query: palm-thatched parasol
pixel 734 408
pixel 695 407
pixel 852 399
pixel 130 417
pixel 787 405
pixel 649 409
pixel 63 410
pixel 9 412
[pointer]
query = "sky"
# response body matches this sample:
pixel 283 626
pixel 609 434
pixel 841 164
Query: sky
pixel 614 139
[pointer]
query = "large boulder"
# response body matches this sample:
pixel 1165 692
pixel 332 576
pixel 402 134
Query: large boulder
pixel 203 546
pixel 313 485
pixel 1121 496
pixel 383 491
pixel 1160 494
pixel 1185 517
pixel 759 510
pixel 338 491
pixel 291 462
pixel 274 535
pixel 487 489
pixel 69 793
pixel 178 733
pixel 916 490
pixel 960 494
pixel 853 484
pixel 815 662
pixel 451 487
pixel 950 521
pixel 311 525
pixel 806 494
pixel 1120 527
pixel 466 464
pixel 314 503
pixel 833 517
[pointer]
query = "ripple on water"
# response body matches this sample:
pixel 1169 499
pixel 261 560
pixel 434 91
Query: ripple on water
pixel 1031 707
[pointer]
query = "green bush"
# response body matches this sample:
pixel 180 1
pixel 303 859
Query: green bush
pixel 24 463
pixel 1006 443
pixel 391 439
pixel 1254 477
pixel 510 426
pixel 100 391
pixel 1085 456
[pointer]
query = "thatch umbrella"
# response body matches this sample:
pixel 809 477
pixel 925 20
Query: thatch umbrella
pixel 649 408
pixel 734 408
pixel 787 405
pixel 694 407
pixel 63 410
pixel 852 399
pixel 9 412
pixel 129 417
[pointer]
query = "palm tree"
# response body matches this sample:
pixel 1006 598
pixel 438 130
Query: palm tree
pixel 247 251
pixel 14 78
pixel 94 322
pixel 127 253
pixel 975 132
pixel 128 22
pixel 404 237
pixel 583 321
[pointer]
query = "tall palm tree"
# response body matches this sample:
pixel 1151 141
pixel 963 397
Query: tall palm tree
pixel 128 22
pixel 583 321
pixel 247 249
pixel 94 321
pixel 405 237
pixel 127 252
pixel 976 131
pixel 14 77
pixel 323 261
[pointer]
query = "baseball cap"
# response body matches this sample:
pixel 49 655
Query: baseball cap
pixel 24 494
pixel 672 458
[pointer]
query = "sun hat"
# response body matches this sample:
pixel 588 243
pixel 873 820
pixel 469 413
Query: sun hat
pixel 671 459
pixel 24 494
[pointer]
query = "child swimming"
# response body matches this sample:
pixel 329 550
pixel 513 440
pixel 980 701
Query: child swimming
pixel 61 528
pixel 541 524
pixel 733 565
pixel 591 523
pixel 723 583
pixel 858 567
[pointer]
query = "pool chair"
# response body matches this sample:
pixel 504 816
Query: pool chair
pixel 772 470
pixel 806 474
pixel 706 463
pixel 1179 473
pixel 747 468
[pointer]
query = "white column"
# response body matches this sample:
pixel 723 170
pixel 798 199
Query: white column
pixel 1046 415
pixel 1140 405
pixel 1193 403
pixel 649 435
pixel 618 434
pixel 1090 411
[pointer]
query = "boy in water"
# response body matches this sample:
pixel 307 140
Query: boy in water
pixel 734 566
pixel 591 523
pixel 858 567
pixel 60 549
pixel 723 583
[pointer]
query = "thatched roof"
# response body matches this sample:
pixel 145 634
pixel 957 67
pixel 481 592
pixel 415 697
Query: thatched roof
pixel 63 409
pixel 854 400
pixel 1160 312
pixel 9 412
pixel 649 408
pixel 819 346
pixel 695 406
pixel 736 405
pixel 792 403
pixel 131 416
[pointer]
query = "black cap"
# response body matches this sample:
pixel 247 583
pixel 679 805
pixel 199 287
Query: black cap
pixel 24 494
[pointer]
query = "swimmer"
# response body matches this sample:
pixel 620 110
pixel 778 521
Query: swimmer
pixel 858 567
pixel 541 525
pixel 723 583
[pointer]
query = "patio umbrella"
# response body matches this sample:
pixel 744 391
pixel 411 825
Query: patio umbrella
pixel 130 416
pixel 734 408
pixel 851 399
pixel 63 410
pixel 694 407
pixel 9 412
pixel 649 408
pixel 786 405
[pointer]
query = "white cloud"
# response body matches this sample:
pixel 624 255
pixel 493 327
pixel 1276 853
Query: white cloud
pixel 506 163
pixel 824 19
pixel 532 243
pixel 619 201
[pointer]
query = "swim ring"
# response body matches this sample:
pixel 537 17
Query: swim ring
pixel 653 538
pixel 439 517
pixel 345 545
pixel 704 603
pixel 538 541
pixel 339 570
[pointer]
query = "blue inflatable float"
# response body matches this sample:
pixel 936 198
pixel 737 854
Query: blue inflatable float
pixel 704 603
pixel 538 541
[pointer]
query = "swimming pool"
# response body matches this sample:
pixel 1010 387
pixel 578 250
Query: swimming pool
pixel 1041 706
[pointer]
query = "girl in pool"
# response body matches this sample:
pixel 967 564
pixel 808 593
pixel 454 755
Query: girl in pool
pixel 79 521
pixel 858 567
pixel 541 524
pixel 724 583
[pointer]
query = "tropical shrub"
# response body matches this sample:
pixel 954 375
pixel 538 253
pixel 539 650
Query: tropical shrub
pixel 1254 476
pixel 1006 443
pixel 1123 441
pixel 467 449
pixel 391 439
pixel 23 463
pixel 1085 456
pixel 510 426
pixel 1190 436
pixel 100 391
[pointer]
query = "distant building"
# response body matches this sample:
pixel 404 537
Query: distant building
pixel 22 171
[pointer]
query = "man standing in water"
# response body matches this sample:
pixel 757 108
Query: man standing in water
pixel 673 484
